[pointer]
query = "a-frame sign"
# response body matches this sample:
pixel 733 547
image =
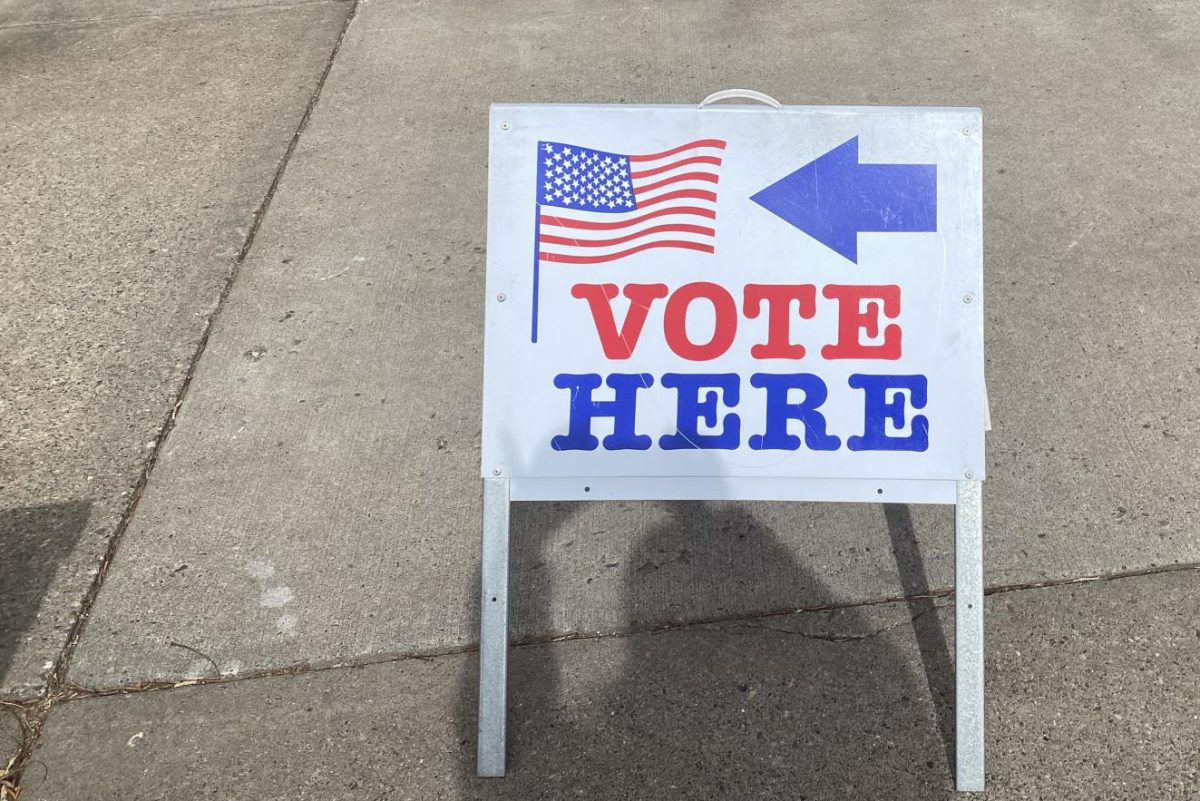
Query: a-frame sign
pixel 735 303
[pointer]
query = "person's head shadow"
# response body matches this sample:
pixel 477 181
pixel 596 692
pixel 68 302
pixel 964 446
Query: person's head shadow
pixel 711 690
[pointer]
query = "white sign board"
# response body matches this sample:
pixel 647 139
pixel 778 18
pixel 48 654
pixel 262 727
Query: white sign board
pixel 734 303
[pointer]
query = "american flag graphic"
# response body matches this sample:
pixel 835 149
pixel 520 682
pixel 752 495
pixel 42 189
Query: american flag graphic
pixel 595 206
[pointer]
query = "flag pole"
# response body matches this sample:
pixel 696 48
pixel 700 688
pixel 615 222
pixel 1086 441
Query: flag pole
pixel 537 246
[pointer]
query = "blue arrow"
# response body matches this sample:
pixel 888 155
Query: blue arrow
pixel 833 198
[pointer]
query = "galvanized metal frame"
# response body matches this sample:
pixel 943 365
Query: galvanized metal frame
pixel 493 628
pixel 968 642
pixel 968 637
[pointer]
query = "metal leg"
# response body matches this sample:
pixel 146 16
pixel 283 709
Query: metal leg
pixel 493 629
pixel 968 636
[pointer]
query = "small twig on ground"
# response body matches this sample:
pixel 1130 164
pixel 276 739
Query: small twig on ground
pixel 197 652
pixel 30 716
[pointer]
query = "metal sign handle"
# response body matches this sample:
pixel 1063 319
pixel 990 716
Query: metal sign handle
pixel 743 94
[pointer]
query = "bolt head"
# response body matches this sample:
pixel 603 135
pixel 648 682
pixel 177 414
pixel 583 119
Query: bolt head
pixel 495 471
pixel 504 126
pixel 501 297
pixel 968 474
pixel 968 298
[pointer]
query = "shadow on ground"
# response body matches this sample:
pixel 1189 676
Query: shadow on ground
pixel 34 541
pixel 822 705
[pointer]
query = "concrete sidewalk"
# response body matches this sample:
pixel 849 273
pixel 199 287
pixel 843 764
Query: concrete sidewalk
pixel 310 523
pixel 136 151
pixel 1093 696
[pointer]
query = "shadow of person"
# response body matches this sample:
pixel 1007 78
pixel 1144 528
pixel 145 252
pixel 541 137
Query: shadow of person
pixel 746 702
pixel 34 542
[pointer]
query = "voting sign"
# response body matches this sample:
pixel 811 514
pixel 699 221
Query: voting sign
pixel 734 302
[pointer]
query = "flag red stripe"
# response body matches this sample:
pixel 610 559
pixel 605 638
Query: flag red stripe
pixel 710 177
pixel 681 228
pixel 717 143
pixel 695 194
pixel 713 160
pixel 567 222
pixel 566 258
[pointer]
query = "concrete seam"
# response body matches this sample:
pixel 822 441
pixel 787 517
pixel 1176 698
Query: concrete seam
pixel 69 691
